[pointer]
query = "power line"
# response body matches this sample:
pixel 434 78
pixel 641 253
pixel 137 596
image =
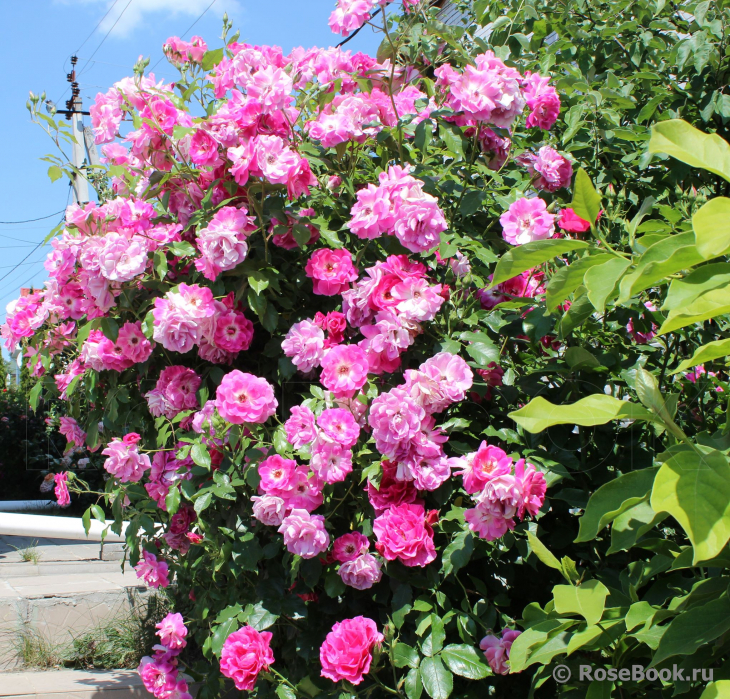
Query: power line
pixel 91 33
pixel 109 32
pixel 31 220
pixel 182 36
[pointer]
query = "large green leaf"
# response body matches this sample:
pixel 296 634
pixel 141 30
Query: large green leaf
pixel 465 661
pixel 600 281
pixel 717 690
pixel 690 145
pixel 711 304
pixel 567 279
pixel 524 257
pixel 614 498
pixel 580 310
pixel 695 489
pixel 437 680
pixel 632 524
pixel 712 227
pixel 586 200
pixel 687 289
pixel 530 640
pixel 694 628
pixel 706 353
pixel 588 600
pixel 539 414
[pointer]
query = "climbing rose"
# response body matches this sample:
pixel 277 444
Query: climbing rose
pixel 245 654
pixel 172 632
pixel 486 463
pixel 496 649
pixel 404 533
pixel 300 427
pixel 349 546
pixel 571 222
pixel 542 100
pixel 304 344
pixel 304 534
pixel 245 398
pixel 548 169
pixel 527 220
pixel 331 271
pixel 61 490
pixel 152 571
pixel 223 243
pixel 346 653
pixel 350 15
pixel 124 461
pixel 269 509
pixel 362 572
pixel 344 370
pixel 340 425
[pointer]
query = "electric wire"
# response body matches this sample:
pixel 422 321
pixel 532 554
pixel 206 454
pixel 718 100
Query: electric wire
pixel 91 33
pixel 31 220
pixel 101 43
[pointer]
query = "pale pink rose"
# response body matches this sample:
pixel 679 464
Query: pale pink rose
pixel 300 427
pixel 134 344
pixel 372 215
pixel 124 461
pixel 244 398
pixel 70 429
pixel 548 170
pixel 223 243
pixel 347 651
pixel 304 534
pixel 269 509
pixel 416 299
pixel 486 463
pixel 122 259
pixel 452 372
pixel 339 425
pixel 542 100
pixel 153 571
pixel 349 546
pixel 172 632
pixel 350 15
pixel 304 492
pixel 61 489
pixel 362 572
pixel 331 271
pixel 173 328
pixel 496 649
pixel 331 462
pixel 344 370
pixel 532 486
pixel 277 475
pixel 245 654
pixel 304 344
pixel 272 87
pixel 274 158
pixel 526 221
pixel 404 533
pixel 395 419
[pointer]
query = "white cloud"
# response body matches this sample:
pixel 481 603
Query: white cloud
pixel 123 22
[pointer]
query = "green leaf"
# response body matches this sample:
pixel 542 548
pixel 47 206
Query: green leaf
pixel 690 145
pixel 580 358
pixel 693 628
pixel 524 257
pixel 601 280
pixel 212 58
pixel 437 680
pixel 160 262
pixel 199 454
pixel 181 248
pixel 711 225
pixel 284 691
pixel 465 661
pixel 413 684
pixel 567 279
pixel 260 618
pixel 221 633
pixel 588 600
pixel 614 498
pixel 632 524
pixel 483 353
pixel 451 136
pixel 535 636
pixel 711 304
pixel 202 502
pixel 258 281
pixel 695 489
pixel 543 552
pixel 172 499
pixel 404 655
pixel 706 353
pixel 55 173
pixel 599 690
pixel 598 409
pixel 717 690
pixel 458 553
pixel 580 310
pixel 586 200
pixel 86 520
pixel 35 395
pixel 688 289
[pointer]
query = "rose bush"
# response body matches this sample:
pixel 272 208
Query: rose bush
pixel 283 329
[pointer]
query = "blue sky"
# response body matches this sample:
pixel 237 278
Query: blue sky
pixel 40 36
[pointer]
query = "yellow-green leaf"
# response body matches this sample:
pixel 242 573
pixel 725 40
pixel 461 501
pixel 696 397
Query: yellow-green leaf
pixel 712 228
pixel 588 600
pixel 706 353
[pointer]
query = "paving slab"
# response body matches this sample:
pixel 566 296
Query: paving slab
pixel 73 684
pixel 48 549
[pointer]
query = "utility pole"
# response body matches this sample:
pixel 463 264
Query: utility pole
pixel 75 114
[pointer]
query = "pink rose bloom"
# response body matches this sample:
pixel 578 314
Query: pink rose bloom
pixel 203 149
pixel 452 372
pixel 527 220
pixel 331 271
pixel 172 632
pixel 61 489
pixel 404 534
pixel 124 461
pixel 269 509
pixel 416 299
pixel 300 427
pixel 361 572
pixel 277 474
pixel 134 344
pixel 638 336
pixel 489 520
pixel 174 329
pixel 419 223
pixel 385 340
pixel 70 429
pixel 305 491
pixel 395 419
pixel 233 332
pixel 158 675
pixel 245 654
pixel 153 571
pixel 272 87
pixel 350 15
pixel 548 170
pixel 495 148
pixel 542 100
pixel 531 483
pixel 122 259
pixel 486 463
pixel 304 534
pixel 244 398
pixel 496 649
pixel 335 324
pixel 274 159
pixel 391 492
pixel 304 345
pixel 331 462
pixel 372 215
pixel 223 244
pixel 344 370
pixel 349 546
pixel 340 425
pixel 571 222
pixel 347 651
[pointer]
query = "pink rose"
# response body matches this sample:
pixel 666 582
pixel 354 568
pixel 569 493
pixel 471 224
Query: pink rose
pixel 245 654
pixel 124 461
pixel 172 632
pixel 362 572
pixel 344 370
pixel 486 463
pixel 61 490
pixel 346 653
pixel 340 425
pixel 549 170
pixel 304 534
pixel 304 344
pixel 300 427
pixel 153 571
pixel 527 220
pixel 403 533
pixel 496 649
pixel 244 398
pixel 331 271
pixel 349 546
pixel 269 509
pixel 390 492
pixel 571 222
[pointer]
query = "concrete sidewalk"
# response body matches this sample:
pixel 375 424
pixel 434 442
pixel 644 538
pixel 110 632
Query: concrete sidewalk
pixel 74 684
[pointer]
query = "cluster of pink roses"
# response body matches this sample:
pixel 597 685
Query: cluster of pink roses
pixel 124 460
pixel 245 654
pixel 153 570
pixel 501 494
pixel 350 15
pixel 131 347
pixel 167 470
pixel 160 673
pixel 179 52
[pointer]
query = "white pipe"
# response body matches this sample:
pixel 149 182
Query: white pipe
pixel 27 505
pixel 42 526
